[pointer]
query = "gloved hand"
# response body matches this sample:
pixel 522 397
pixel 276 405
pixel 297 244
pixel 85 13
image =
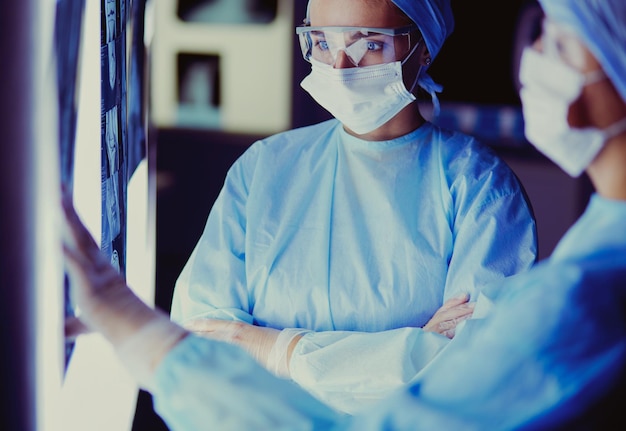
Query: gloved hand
pixel 141 335
pixel 452 312
pixel 270 347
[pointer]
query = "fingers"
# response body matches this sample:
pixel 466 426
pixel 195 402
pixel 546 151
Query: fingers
pixel 448 327
pixel 451 324
pixel 74 327
pixel 462 310
pixel 457 300
pixel 457 311
pixel 70 219
pixel 450 333
pixel 90 271
pixel 76 237
pixel 86 264
pixel 453 312
pixel 74 261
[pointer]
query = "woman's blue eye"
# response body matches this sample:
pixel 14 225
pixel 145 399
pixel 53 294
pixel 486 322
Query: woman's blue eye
pixel 373 46
pixel 323 45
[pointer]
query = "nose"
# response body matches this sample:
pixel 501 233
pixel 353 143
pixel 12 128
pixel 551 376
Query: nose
pixel 342 61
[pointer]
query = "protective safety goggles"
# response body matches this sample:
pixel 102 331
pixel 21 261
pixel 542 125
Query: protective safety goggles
pixel 557 40
pixel 363 46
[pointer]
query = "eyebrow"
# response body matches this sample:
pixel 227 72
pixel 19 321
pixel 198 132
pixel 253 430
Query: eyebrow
pixel 353 35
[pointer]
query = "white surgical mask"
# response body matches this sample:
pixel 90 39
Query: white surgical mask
pixel 362 98
pixel 549 87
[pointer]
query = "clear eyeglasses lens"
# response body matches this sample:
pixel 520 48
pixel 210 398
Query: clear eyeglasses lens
pixel 361 46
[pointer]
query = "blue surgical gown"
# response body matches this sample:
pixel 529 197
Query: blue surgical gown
pixel 547 345
pixel 360 242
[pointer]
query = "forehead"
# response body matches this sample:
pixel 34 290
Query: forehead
pixel 355 13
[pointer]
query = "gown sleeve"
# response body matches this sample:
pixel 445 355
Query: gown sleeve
pixel 351 371
pixel 332 365
pixel 218 259
pixel 206 384
pixel 548 351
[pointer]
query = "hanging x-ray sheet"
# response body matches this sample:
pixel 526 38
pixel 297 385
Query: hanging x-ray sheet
pixel 114 144
pixel 67 33
pixel 134 89
pixel 120 130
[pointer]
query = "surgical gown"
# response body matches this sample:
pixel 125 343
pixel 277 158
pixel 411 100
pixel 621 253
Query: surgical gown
pixel 551 344
pixel 359 242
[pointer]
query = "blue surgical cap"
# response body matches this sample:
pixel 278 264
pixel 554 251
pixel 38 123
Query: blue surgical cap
pixel 434 19
pixel 601 24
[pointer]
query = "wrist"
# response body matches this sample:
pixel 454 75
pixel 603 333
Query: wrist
pixel 142 351
pixel 115 312
pixel 282 351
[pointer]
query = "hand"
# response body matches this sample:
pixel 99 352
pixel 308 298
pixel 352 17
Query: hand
pixel 74 327
pixel 95 285
pixel 256 340
pixel 141 335
pixel 272 348
pixel 106 304
pixel 451 313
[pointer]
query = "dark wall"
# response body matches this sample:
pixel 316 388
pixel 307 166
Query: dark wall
pixel 476 62
pixel 191 166
pixel 19 245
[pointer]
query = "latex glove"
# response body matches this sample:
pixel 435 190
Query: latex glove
pixel 140 334
pixel 271 347
pixel 74 327
pixel 452 312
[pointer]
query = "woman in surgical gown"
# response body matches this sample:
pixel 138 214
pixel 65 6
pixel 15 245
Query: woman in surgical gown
pixel 349 235
pixel 545 351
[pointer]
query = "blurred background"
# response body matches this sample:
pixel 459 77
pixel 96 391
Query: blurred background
pixel 156 99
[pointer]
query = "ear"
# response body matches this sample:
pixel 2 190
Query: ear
pixel 425 59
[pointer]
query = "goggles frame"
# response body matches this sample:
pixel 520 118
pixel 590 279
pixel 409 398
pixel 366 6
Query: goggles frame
pixel 342 29
pixel 306 44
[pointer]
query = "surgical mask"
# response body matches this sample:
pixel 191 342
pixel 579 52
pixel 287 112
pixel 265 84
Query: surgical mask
pixel 362 98
pixel 549 87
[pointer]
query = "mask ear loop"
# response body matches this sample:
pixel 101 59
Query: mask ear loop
pixel 430 86
pixel 419 72
pixel 595 76
pixel 615 129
